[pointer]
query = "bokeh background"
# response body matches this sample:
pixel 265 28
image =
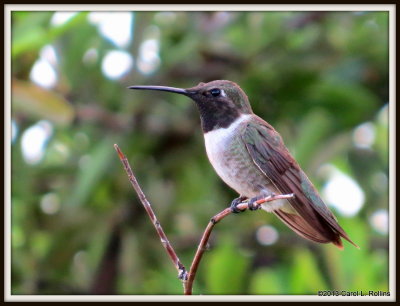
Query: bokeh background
pixel 320 78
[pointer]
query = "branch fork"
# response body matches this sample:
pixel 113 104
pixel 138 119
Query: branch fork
pixel 187 277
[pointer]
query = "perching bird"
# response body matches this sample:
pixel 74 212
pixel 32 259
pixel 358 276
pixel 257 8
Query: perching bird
pixel 250 156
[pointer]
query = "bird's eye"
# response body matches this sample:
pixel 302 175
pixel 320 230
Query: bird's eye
pixel 215 92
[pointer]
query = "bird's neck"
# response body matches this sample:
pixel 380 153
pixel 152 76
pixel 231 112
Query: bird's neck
pixel 213 117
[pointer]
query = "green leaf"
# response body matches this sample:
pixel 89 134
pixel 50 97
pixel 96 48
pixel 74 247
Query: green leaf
pixel 306 277
pixel 39 103
pixel 33 32
pixel 267 281
pixel 350 103
pixel 312 130
pixel 225 269
pixel 92 172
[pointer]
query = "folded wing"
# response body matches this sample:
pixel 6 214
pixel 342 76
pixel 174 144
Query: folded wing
pixel 314 220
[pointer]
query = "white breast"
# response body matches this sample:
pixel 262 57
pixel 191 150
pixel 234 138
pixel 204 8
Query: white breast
pixel 217 142
pixel 237 173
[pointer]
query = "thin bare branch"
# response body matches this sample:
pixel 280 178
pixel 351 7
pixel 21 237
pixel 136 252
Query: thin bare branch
pixel 207 233
pixel 182 273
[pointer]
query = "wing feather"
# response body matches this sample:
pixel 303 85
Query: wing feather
pixel 313 220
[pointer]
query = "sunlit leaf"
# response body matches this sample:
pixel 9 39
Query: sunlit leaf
pixel 39 103
pixel 32 33
pixel 268 281
pixel 306 277
pixel 225 269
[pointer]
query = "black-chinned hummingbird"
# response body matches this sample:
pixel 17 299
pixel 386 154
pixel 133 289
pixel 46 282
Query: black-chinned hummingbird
pixel 250 156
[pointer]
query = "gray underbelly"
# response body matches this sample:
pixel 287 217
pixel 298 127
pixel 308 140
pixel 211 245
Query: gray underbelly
pixel 237 169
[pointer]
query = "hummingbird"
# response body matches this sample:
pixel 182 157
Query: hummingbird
pixel 250 156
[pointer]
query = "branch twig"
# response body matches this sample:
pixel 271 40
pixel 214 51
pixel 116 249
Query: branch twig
pixel 206 235
pixel 187 278
pixel 182 273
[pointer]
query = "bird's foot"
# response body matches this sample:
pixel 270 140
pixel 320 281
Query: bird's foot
pixel 251 204
pixel 235 203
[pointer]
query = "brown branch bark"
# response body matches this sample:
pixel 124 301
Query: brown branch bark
pixel 207 233
pixel 183 275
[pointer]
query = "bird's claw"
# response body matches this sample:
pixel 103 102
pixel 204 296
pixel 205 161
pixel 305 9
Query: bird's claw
pixel 251 205
pixel 235 203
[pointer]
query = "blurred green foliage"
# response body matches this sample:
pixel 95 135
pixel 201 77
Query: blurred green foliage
pixel 315 76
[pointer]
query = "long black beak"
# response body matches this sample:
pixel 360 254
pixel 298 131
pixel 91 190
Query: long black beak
pixel 162 88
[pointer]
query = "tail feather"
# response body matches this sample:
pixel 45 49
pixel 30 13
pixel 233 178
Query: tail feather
pixel 305 230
